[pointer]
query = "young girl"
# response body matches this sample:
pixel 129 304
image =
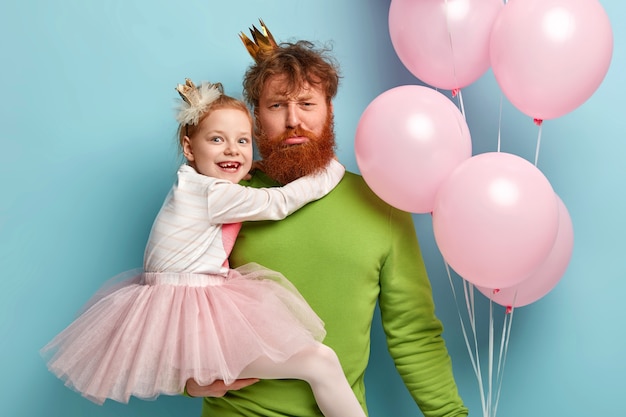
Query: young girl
pixel 188 315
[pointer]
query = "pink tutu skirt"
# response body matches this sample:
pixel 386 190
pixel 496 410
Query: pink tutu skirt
pixel 147 336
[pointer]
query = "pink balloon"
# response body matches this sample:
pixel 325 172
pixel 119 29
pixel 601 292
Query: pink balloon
pixel 545 278
pixel 408 140
pixel 495 219
pixel 550 56
pixel 444 43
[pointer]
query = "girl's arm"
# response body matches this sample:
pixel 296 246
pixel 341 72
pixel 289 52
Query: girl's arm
pixel 231 203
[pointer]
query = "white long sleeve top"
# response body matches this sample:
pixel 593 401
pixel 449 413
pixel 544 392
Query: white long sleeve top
pixel 187 233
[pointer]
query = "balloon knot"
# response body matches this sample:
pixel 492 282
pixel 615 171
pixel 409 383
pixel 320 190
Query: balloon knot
pixel 509 309
pixel 455 92
pixel 538 122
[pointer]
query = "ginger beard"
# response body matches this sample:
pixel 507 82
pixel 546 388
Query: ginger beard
pixel 285 163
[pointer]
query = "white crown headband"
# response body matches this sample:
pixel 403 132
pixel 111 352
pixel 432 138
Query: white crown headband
pixel 195 100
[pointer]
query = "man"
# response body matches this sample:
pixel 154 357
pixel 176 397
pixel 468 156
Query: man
pixel 344 252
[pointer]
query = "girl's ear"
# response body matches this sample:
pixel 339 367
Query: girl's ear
pixel 187 150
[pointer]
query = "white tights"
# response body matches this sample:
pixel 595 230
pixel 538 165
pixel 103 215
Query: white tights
pixel 319 366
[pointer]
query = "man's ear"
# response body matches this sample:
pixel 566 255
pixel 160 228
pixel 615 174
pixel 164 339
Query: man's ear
pixel 187 150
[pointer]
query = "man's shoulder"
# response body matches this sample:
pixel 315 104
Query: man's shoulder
pixel 354 183
pixel 354 194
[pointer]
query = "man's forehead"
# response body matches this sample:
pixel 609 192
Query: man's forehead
pixel 280 86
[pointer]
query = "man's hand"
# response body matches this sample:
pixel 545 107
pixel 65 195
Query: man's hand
pixel 216 389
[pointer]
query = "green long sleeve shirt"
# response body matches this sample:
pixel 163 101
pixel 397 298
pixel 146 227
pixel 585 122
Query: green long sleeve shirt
pixel 344 253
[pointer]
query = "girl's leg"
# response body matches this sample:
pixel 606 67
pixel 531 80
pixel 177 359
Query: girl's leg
pixel 319 366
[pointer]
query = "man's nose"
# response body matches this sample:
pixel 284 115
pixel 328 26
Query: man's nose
pixel 293 118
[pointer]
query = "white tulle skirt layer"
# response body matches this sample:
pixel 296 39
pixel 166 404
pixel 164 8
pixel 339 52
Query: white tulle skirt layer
pixel 147 335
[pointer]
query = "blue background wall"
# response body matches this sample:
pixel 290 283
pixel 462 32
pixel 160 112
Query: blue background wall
pixel 87 153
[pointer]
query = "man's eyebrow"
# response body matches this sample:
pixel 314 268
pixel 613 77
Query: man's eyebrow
pixel 305 96
pixel 285 97
pixel 277 97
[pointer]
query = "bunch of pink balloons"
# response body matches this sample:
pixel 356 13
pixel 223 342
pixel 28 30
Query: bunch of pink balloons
pixel 496 219
pixel 548 56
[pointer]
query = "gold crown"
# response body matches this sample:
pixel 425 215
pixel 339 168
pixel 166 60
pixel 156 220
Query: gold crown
pixel 188 92
pixel 196 100
pixel 262 44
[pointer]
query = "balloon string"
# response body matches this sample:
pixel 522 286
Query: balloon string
pixel 504 348
pixel 474 359
pixel 470 302
pixel 495 376
pixel 538 143
pixel 491 343
pixel 460 95
pixel 467 344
